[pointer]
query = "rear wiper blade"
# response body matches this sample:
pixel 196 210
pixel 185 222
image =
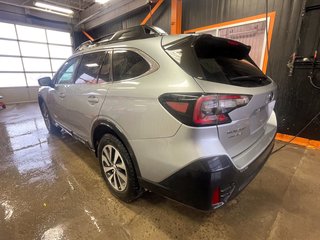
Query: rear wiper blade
pixel 253 78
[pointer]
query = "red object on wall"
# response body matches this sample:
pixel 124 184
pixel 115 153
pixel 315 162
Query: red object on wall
pixel 2 105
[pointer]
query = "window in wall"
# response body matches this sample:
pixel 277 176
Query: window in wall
pixel 34 49
pixel 252 34
pixel 60 51
pixel 31 34
pixel 250 31
pixel 27 53
pixel 12 80
pixel 10 64
pixel 89 68
pixel 36 65
pixel 32 78
pixel 56 64
pixel 213 32
pixel 128 64
pixel 57 37
pixel 7 31
pixel 9 47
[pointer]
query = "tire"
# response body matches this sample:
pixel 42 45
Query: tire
pixel 52 128
pixel 117 169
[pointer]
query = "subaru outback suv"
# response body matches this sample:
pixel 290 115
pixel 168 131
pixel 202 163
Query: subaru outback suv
pixel 187 116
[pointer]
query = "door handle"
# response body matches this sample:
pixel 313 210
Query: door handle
pixel 93 99
pixel 62 95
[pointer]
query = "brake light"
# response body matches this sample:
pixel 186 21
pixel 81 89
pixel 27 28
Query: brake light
pixel 203 110
pixel 233 43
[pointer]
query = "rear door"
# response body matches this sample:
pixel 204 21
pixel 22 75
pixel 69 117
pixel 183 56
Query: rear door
pixel 87 94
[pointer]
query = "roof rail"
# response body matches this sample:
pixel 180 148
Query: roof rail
pixel 133 33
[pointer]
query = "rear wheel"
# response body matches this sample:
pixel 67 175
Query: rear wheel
pixel 117 168
pixel 53 129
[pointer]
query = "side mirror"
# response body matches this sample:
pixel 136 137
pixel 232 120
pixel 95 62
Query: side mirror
pixel 45 81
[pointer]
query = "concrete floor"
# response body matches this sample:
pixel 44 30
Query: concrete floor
pixel 51 189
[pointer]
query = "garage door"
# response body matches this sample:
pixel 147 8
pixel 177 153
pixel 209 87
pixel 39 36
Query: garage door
pixel 28 53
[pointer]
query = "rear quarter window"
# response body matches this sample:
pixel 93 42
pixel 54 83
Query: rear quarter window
pixel 128 64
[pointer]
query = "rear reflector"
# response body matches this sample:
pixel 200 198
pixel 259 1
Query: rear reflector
pixel 178 106
pixel 216 196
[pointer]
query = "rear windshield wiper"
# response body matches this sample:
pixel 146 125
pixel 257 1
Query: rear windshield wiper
pixel 253 78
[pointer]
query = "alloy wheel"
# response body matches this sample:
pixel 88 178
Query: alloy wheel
pixel 114 168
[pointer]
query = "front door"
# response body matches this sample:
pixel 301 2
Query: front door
pixel 57 102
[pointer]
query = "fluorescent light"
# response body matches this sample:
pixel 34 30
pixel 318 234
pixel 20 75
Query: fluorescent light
pixel 53 12
pixel 54 8
pixel 102 1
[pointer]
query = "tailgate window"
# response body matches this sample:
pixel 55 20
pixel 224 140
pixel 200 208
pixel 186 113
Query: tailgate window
pixel 217 60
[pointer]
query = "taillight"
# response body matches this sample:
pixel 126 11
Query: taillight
pixel 214 109
pixel 203 110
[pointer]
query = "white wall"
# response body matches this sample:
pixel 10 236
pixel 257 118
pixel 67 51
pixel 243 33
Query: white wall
pixel 19 94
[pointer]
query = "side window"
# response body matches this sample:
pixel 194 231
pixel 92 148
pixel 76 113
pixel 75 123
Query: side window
pixel 65 75
pixel 128 64
pixel 105 72
pixel 89 68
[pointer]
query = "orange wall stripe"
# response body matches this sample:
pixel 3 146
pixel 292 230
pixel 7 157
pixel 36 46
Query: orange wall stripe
pixel 299 140
pixel 154 9
pixel 176 16
pixel 272 16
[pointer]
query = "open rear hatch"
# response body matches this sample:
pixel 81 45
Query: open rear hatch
pixel 243 96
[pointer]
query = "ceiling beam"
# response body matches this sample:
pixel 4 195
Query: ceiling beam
pixel 98 14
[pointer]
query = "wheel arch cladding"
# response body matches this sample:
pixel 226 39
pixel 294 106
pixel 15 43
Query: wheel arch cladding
pixel 102 127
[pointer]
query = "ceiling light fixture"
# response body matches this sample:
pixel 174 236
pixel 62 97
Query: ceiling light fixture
pixel 53 8
pixel 102 1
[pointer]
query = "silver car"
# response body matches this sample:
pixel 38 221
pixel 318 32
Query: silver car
pixel 186 116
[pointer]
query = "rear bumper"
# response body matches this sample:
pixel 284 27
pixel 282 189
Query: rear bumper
pixel 195 183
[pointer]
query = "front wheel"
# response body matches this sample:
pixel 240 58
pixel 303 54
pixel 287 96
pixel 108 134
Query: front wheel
pixel 117 168
pixel 53 129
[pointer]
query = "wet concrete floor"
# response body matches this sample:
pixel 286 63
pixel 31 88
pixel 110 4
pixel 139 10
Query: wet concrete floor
pixel 50 188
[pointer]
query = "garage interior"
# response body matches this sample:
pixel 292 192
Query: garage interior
pixel 51 186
